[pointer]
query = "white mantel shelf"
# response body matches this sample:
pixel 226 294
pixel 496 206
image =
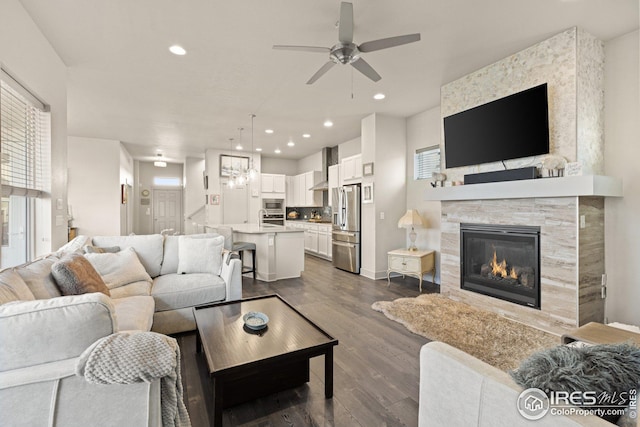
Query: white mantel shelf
pixel 570 186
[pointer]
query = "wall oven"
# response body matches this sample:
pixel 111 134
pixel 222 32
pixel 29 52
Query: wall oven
pixel 273 211
pixel 273 204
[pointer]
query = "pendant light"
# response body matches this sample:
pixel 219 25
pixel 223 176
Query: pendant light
pixel 253 173
pixel 231 181
pixel 242 177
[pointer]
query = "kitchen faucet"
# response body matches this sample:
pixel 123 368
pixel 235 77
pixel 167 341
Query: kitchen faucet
pixel 260 217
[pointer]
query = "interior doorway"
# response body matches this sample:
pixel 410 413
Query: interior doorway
pixel 167 211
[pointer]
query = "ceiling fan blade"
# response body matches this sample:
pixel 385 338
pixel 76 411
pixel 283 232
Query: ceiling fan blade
pixel 326 67
pixel 345 26
pixel 314 49
pixel 366 69
pixel 388 42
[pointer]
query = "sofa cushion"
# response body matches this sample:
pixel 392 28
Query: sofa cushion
pixel 76 245
pixel 200 255
pixel 120 268
pixel 140 288
pixel 11 283
pixel 37 276
pixel 30 331
pixel 170 259
pixel 172 291
pixel 148 247
pixel 89 249
pixel 75 275
pixel 134 313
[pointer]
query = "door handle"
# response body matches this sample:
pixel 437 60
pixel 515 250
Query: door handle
pixel 346 245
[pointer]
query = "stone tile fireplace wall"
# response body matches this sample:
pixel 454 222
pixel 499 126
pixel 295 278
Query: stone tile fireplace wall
pixel 571 264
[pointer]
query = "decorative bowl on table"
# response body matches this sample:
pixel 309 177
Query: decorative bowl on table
pixel 255 320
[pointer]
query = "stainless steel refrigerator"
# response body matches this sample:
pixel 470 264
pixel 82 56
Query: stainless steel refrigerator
pixel 345 239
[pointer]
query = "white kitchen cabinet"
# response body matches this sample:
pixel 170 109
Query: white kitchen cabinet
pixel 273 185
pixel 291 196
pixel 300 195
pixel 311 238
pixel 334 181
pixel 351 169
pixel 324 240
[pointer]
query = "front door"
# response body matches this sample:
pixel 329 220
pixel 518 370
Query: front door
pixel 167 211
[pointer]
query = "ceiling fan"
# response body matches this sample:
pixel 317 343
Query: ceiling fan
pixel 346 51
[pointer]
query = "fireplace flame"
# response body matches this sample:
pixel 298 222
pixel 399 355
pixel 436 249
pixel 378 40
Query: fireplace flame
pixel 500 268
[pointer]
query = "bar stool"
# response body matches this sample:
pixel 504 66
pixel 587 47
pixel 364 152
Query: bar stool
pixel 239 247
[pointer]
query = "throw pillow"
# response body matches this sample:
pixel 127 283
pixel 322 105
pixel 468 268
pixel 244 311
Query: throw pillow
pixel 119 268
pixel 606 368
pixel 74 275
pixel 200 255
pixel 13 284
pixel 101 250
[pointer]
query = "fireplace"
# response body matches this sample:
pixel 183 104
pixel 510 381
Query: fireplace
pixel 501 261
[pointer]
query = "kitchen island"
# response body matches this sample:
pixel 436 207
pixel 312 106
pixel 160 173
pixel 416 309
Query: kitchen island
pixel 279 250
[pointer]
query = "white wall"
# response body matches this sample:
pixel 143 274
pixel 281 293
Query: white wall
pixel 126 178
pixel 423 130
pixel 194 193
pixel 94 186
pixel 27 55
pixel 349 148
pixel 310 163
pixel 384 144
pixel 622 153
pixel 281 166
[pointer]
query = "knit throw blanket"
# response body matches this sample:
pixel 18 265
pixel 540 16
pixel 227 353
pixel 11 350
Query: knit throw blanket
pixel 133 357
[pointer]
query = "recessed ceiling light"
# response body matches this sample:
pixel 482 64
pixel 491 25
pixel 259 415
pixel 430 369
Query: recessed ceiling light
pixel 328 124
pixel 291 143
pixel 177 50
pixel 306 135
pixel 238 147
pixel 258 149
pixel 268 131
pixel 277 151
pixel 379 96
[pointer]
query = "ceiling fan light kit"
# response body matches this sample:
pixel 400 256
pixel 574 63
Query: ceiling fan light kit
pixel 346 51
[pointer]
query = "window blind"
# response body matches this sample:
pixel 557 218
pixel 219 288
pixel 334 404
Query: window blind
pixel 24 134
pixel 426 162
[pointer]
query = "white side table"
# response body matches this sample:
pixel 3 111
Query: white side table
pixel 411 263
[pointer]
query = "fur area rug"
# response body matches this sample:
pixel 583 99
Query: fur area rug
pixel 496 340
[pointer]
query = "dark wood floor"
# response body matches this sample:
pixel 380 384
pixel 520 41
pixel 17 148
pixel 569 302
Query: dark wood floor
pixel 376 366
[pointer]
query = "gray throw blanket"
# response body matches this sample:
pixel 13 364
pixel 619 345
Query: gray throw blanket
pixel 133 357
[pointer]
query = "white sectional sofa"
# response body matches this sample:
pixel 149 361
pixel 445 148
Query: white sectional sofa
pixel 43 334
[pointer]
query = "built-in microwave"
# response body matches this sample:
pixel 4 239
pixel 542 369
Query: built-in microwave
pixel 273 204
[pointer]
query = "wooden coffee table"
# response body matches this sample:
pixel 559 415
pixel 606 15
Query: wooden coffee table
pixel 244 364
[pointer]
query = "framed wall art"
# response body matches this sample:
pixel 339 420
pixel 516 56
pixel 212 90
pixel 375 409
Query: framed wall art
pixel 367 169
pixel 367 193
pixel 233 165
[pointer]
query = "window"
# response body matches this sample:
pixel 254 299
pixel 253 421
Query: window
pixel 426 162
pixel 166 182
pixel 24 145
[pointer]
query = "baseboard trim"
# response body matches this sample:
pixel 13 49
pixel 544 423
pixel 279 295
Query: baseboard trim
pixel 373 275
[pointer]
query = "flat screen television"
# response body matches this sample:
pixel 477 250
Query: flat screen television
pixel 507 128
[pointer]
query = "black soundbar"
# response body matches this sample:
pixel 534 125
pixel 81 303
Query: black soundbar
pixel 530 172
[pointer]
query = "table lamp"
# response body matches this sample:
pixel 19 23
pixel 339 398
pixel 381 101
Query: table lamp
pixel 411 218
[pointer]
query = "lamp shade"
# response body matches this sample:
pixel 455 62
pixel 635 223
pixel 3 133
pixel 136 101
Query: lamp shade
pixel 411 219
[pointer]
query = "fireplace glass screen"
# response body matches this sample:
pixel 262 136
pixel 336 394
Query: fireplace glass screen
pixel 501 261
